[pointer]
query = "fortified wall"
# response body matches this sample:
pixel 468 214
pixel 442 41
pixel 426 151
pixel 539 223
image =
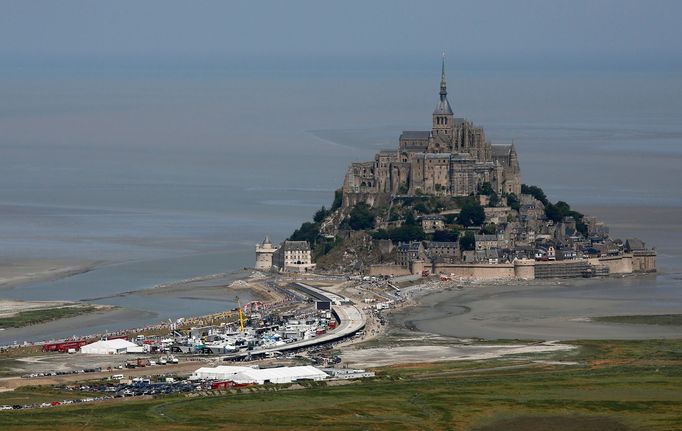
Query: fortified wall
pixel 526 269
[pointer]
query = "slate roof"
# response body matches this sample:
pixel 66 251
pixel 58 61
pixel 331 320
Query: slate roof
pixel 501 150
pixel 296 246
pixel 443 107
pixel 634 244
pixel 415 134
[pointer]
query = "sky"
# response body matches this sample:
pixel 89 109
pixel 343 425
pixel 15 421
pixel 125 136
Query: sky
pixel 593 31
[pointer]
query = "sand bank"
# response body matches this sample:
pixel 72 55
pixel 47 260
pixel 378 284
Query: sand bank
pixel 14 273
pixel 382 356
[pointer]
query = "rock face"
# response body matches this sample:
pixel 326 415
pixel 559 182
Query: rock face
pixel 452 159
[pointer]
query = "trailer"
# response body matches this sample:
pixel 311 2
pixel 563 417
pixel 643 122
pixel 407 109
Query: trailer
pixel 64 346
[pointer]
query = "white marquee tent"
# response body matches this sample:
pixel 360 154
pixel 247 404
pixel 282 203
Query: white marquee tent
pixel 260 376
pixel 108 347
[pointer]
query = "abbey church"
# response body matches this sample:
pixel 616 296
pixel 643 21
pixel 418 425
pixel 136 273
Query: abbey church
pixel 451 159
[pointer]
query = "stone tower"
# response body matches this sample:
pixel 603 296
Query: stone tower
pixel 264 253
pixel 443 120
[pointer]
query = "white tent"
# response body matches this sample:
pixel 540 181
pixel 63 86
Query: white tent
pixel 280 375
pixel 222 372
pixel 108 347
pixel 260 376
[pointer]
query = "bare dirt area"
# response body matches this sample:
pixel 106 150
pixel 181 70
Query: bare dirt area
pixel 383 356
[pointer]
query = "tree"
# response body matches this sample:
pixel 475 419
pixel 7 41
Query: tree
pixel 450 218
pixel 552 212
pixel 380 234
pixel 513 202
pixel 409 219
pixel 494 200
pixel 307 232
pixel 446 235
pixel 421 208
pixel 489 229
pixel 361 217
pixel 320 215
pixel 407 233
pixel 536 192
pixel 471 214
pixel 485 189
pixel 467 241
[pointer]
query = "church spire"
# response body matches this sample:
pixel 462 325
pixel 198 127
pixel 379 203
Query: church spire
pixel 443 84
pixel 443 106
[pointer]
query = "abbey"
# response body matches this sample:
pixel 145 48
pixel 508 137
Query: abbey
pixel 451 159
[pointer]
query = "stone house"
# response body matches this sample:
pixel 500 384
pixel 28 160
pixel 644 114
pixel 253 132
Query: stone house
pixel 410 251
pixel 432 223
pixel 293 256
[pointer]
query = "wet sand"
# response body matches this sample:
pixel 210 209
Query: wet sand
pixel 383 356
pixel 552 310
pixel 16 272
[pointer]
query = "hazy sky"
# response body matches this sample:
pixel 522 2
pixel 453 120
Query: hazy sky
pixel 618 30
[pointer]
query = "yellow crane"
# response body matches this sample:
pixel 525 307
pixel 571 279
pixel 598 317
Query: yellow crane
pixel 241 315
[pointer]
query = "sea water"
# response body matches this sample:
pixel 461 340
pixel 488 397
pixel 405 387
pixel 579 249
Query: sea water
pixel 169 169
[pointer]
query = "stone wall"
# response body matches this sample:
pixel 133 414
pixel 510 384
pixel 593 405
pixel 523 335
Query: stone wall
pixel 644 261
pixel 524 269
pixel 615 264
pixel 561 269
pixel 388 269
pixel 503 271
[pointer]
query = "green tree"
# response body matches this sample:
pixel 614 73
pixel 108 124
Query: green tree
pixel 446 235
pixel 471 214
pixel 406 233
pixel 450 218
pixel 320 215
pixel 467 241
pixel 494 200
pixel 361 217
pixel 380 234
pixel 534 191
pixel 513 202
pixel 485 189
pixel 489 229
pixel 421 208
pixel 307 232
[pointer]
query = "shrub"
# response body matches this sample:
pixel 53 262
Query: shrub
pixel 361 217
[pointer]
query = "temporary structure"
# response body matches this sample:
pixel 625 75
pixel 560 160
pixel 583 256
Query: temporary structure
pixel 108 347
pixel 259 376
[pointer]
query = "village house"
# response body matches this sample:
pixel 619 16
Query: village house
pixel 432 223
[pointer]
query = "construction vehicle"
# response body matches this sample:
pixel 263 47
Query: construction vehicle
pixel 241 315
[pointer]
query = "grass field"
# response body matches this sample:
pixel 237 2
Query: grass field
pixel 649 319
pixel 620 386
pixel 34 317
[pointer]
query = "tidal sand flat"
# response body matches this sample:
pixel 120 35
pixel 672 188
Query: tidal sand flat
pixel 546 310
pixel 14 272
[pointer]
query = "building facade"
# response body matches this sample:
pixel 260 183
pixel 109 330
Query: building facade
pixel 293 256
pixel 452 159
